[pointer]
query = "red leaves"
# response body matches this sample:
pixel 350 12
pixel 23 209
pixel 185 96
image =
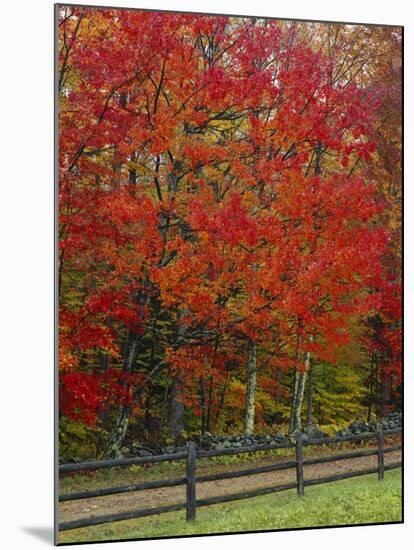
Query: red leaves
pixel 82 395
pixel 214 166
pixel 82 331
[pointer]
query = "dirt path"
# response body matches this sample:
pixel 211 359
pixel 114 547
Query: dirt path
pixel 170 495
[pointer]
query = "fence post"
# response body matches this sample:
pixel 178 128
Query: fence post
pixel 191 481
pixel 380 442
pixel 299 465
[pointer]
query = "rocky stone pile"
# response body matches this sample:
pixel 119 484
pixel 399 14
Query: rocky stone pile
pixel 223 442
pixel 208 442
pixel 219 443
pixel 391 422
pixel 211 442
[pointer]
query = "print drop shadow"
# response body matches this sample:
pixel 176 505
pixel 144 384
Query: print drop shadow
pixel 43 533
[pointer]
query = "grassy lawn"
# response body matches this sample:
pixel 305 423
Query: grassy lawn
pixel 347 502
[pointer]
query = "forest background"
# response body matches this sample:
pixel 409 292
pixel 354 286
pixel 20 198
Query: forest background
pixel 230 226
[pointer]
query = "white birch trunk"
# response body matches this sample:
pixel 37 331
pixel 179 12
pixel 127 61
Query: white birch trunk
pixel 295 423
pixel 251 388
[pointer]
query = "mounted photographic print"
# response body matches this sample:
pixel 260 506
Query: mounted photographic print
pixel 228 274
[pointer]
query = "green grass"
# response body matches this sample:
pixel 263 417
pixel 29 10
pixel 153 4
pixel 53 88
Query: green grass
pixel 354 501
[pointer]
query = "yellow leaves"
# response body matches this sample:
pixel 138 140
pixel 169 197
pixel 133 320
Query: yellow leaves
pixel 67 359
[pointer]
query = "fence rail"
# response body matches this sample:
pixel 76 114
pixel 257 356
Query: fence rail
pixel 191 479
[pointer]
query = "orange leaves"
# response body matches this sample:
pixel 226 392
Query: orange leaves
pixel 200 154
pixel 199 118
pixel 231 222
pixel 162 134
pixel 177 358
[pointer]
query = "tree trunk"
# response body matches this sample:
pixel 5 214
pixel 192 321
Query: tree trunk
pixel 295 423
pixel 295 385
pixel 119 431
pixel 310 421
pixel 387 392
pixel 251 388
pixel 176 409
pixel 278 393
pixel 220 401
pixel 164 407
pixel 371 387
pixel 116 167
pixel 301 376
pixel 202 406
pixel 176 416
pixel 209 404
pixel 381 391
pixel 147 415
pixel 319 412
pixel 104 361
pixel 113 449
pixel 294 396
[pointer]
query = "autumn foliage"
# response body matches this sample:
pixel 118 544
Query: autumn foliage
pixel 221 180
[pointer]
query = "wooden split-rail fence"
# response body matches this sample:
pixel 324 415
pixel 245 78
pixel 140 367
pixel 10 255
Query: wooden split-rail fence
pixel 191 479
